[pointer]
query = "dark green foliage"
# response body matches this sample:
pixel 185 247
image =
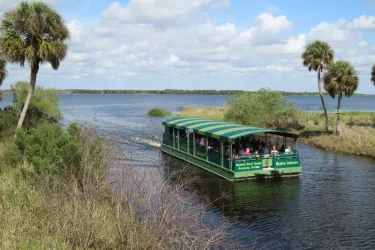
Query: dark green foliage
pixel 8 121
pixel 35 33
pixel 318 55
pixel 373 74
pixel 159 112
pixel 265 108
pixel 48 148
pixel 75 153
pixel 43 106
pixel 341 79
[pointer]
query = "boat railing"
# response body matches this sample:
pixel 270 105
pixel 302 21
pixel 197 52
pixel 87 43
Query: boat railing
pixel 283 160
pixel 280 160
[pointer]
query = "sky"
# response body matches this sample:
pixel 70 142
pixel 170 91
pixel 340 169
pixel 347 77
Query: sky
pixel 204 44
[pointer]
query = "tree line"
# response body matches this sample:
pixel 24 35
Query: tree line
pixel 184 92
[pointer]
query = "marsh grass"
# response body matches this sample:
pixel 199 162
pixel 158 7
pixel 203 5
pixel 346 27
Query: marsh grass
pixel 356 140
pixel 212 113
pixel 159 112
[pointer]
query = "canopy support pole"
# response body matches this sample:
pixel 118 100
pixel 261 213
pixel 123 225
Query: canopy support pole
pixel 194 143
pixel 222 153
pixel 173 139
pixel 230 155
pixel 188 141
pixel 206 144
pixel 178 139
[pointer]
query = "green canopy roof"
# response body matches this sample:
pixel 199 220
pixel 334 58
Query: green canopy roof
pixel 220 130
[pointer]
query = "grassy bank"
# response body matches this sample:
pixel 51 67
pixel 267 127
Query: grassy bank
pixel 55 193
pixel 358 129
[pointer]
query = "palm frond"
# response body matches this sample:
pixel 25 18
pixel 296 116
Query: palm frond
pixel 33 32
pixel 3 71
pixel 318 55
pixel 373 74
pixel 341 78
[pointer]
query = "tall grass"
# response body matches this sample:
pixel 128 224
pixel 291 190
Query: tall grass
pixel 86 208
pixel 212 113
pixel 357 140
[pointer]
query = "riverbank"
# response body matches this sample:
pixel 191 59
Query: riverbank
pixel 55 193
pixel 358 129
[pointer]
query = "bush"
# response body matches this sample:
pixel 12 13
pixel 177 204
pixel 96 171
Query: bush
pixel 264 108
pixel 78 152
pixel 159 112
pixel 43 105
pixel 8 122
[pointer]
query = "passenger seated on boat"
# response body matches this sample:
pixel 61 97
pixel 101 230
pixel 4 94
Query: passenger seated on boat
pixel 288 150
pixel 266 150
pixel 235 156
pixel 202 142
pixel 282 149
pixel 247 152
pixel 241 153
pixel 274 150
pixel 256 154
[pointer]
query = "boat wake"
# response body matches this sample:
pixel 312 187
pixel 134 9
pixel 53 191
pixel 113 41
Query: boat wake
pixel 150 142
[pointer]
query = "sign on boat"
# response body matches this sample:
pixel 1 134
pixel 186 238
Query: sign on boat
pixel 232 151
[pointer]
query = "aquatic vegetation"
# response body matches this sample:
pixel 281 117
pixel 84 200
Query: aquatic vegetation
pixel 159 112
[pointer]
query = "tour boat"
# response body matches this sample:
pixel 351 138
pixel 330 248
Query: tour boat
pixel 219 147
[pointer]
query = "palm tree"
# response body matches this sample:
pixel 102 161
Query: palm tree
pixel 373 74
pixel 318 56
pixel 35 33
pixel 341 79
pixel 3 74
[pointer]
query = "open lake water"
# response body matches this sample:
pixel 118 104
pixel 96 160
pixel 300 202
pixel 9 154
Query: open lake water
pixel 331 206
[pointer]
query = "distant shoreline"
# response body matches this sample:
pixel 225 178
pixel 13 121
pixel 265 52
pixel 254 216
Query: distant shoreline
pixel 179 92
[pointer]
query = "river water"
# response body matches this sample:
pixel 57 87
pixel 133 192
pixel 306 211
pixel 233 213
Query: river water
pixel 331 206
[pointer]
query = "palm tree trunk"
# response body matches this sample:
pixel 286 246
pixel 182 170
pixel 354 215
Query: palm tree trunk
pixel 338 131
pixel 34 72
pixel 322 99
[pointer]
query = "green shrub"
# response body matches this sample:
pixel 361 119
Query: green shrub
pixel 159 112
pixel 78 152
pixel 8 122
pixel 264 108
pixel 43 105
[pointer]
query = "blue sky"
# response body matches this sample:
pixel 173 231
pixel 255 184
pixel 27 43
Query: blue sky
pixel 204 44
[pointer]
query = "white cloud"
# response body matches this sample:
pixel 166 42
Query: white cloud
pixel 362 44
pixel 265 30
pixel 154 11
pixel 329 32
pixel 216 34
pixel 362 23
pixel 127 49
